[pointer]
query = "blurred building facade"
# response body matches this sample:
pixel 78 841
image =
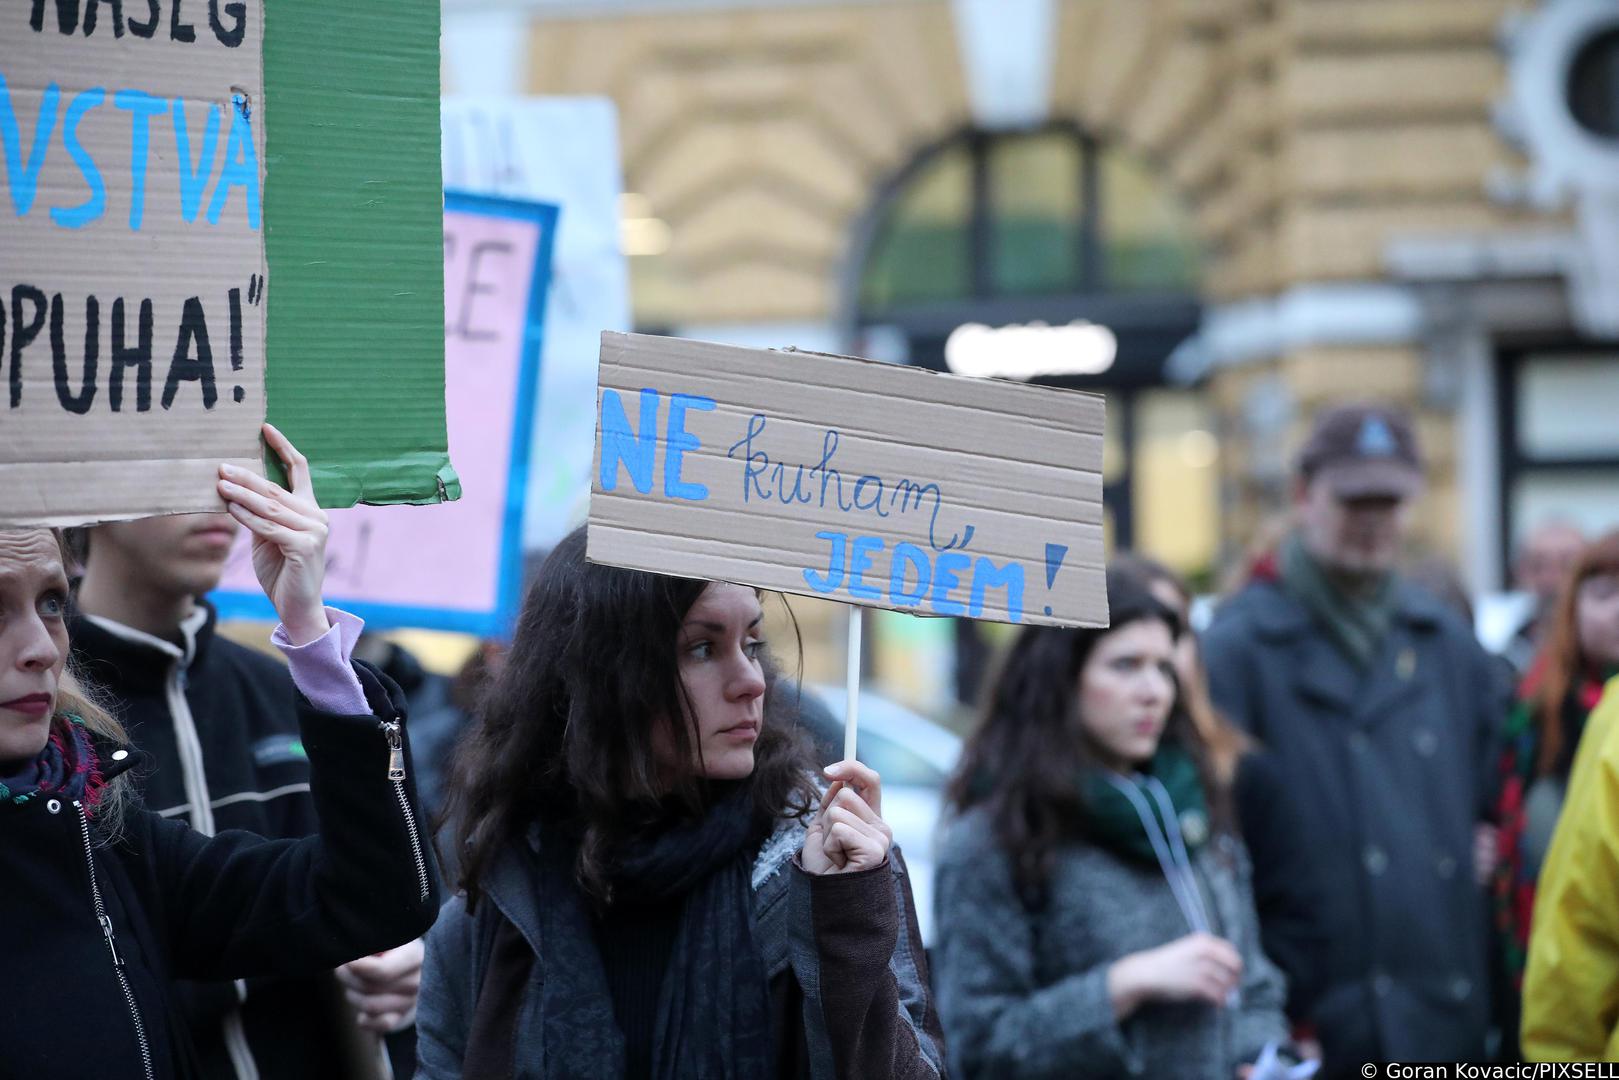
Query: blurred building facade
pixel 1268 204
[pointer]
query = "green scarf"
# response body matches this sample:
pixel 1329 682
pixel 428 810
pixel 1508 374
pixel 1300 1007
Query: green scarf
pixel 1111 819
pixel 1357 625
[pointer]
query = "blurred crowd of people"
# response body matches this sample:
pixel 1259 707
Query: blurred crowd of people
pixel 1328 828
pixel 1338 783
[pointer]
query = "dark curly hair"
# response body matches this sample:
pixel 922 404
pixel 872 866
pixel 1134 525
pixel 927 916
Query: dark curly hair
pixel 564 735
pixel 1023 760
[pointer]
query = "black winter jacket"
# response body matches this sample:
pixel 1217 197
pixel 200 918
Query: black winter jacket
pixel 93 929
pixel 218 724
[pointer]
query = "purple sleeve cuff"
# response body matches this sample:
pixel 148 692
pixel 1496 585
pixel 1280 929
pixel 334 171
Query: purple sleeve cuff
pixel 321 670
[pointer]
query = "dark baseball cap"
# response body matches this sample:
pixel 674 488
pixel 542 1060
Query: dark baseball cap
pixel 1363 451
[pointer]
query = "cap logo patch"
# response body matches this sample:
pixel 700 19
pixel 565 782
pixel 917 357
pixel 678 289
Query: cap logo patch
pixel 1375 439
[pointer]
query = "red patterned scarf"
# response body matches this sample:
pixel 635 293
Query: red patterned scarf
pixel 66 769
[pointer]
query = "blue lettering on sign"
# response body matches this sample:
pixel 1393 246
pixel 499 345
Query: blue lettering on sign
pixel 766 480
pixel 241 167
pixel 987 576
pixel 141 107
pixel 860 554
pixel 907 558
pixel 96 204
pixel 945 568
pixel 680 440
pixel 24 155
pixel 620 443
pixel 915 578
pixel 23 180
pixel 833 577
pixel 193 178
pixel 636 448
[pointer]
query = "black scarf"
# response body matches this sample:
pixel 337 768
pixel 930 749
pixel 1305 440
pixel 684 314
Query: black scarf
pixel 713 1008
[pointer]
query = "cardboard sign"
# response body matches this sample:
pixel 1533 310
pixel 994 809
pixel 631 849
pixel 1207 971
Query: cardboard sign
pixel 132 271
pixel 455 566
pixel 354 207
pixel 852 480
pixel 561 150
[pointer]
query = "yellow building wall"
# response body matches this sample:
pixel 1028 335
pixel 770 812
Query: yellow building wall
pixel 1302 135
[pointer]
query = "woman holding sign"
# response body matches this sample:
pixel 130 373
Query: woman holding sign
pixel 106 903
pixel 1094 912
pixel 654 883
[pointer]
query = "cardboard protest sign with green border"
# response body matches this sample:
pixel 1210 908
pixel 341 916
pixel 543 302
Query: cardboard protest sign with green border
pixel 873 484
pixel 187 187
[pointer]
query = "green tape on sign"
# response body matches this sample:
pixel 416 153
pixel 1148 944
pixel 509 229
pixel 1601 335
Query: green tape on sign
pixel 354 220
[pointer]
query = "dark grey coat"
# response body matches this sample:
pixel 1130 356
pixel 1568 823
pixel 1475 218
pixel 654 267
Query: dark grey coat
pixel 818 939
pixel 1023 994
pixel 1393 768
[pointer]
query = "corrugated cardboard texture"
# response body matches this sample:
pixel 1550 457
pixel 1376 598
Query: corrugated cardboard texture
pixel 354 211
pixel 869 483
pixel 131 260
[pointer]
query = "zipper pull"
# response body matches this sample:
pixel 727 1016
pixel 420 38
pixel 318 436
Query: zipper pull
pixel 396 749
pixel 106 932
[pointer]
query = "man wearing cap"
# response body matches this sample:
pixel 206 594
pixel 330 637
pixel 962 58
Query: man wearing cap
pixel 1382 709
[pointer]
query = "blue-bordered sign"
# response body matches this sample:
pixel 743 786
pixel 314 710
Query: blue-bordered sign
pixel 459 565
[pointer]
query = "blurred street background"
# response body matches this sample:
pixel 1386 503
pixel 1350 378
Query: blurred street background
pixel 1221 214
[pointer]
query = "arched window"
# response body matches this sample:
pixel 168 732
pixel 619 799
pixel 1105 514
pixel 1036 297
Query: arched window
pixel 1044 213
pixel 1054 226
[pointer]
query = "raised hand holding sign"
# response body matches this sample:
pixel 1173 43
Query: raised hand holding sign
pixel 875 484
pixel 289 537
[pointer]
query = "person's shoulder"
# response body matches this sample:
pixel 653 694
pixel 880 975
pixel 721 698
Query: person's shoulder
pixel 1429 616
pixel 1419 604
pixel 1259 773
pixel 1259 606
pixel 454 920
pixel 967 834
pixel 264 669
pixel 1602 727
pixel 777 851
pixel 450 943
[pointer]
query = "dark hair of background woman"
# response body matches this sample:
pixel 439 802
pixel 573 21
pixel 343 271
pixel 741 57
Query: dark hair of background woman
pixel 1562 661
pixel 565 734
pixel 1024 760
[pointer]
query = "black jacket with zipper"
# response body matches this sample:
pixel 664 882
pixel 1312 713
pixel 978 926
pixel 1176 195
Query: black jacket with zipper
pixel 94 929
pixel 217 723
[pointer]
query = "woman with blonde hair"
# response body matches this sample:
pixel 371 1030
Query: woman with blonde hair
pixel 106 904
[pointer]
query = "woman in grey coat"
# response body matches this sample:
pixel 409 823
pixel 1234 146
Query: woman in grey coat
pixel 1093 903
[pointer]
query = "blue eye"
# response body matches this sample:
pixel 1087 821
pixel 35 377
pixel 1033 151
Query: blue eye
pixel 755 648
pixel 53 605
pixel 702 650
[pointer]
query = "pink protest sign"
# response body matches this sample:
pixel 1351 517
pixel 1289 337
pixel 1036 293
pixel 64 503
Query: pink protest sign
pixel 455 565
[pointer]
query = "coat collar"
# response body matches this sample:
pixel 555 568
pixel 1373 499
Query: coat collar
pixel 1278 615
pixel 115 757
pixel 1320 671
pixel 122 658
pixel 510 886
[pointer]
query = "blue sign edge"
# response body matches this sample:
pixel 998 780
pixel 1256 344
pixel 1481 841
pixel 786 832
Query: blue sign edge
pixel 497 623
